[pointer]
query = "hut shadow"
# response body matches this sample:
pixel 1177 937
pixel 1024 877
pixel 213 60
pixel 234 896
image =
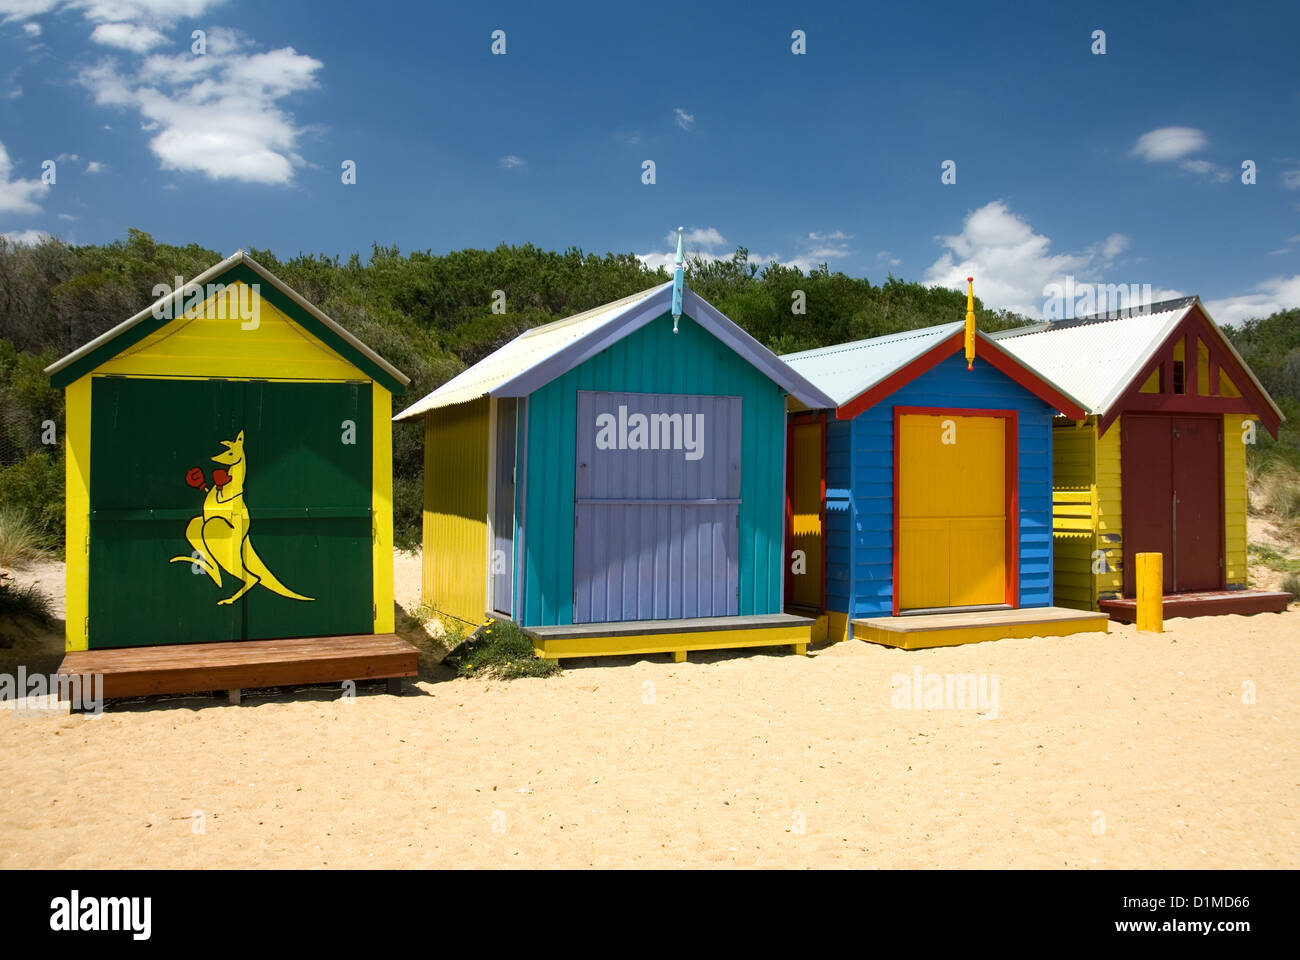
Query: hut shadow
pixel 433 651
pixel 697 657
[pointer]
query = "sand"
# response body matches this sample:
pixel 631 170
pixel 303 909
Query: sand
pixel 1119 750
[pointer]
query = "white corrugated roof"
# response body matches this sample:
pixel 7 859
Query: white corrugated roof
pixel 848 370
pixel 536 357
pixel 525 352
pixel 1095 358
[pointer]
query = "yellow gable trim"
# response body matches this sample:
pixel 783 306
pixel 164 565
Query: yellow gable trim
pixel 234 333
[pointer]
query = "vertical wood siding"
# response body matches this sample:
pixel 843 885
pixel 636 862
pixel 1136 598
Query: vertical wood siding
pixel 652 360
pixel 1234 501
pixel 1110 513
pixel 1074 514
pixel 455 510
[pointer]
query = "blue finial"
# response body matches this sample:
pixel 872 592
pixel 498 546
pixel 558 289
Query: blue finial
pixel 679 281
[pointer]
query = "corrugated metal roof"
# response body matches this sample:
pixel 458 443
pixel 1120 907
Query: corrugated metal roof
pixel 1095 358
pixel 524 352
pixel 848 370
pixel 535 357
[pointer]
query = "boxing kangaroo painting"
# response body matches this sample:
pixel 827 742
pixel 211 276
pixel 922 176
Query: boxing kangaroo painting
pixel 220 535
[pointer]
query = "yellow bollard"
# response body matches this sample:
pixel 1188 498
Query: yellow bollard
pixel 1150 592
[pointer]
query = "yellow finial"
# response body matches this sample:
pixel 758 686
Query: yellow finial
pixel 970 322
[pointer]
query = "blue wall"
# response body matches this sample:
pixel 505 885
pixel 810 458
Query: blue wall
pixel 860 486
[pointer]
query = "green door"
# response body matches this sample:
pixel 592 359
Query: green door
pixel 225 510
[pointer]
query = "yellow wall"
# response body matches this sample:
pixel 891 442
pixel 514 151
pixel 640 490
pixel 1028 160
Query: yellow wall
pixel 455 510
pixel 1234 501
pixel 77 504
pixel 381 507
pixel 1110 513
pixel 1086 513
pixel 215 341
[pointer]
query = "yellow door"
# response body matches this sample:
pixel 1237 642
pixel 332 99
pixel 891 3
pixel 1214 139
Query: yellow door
pixel 804 573
pixel 951 511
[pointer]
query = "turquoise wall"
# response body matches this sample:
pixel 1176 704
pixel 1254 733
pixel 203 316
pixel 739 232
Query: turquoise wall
pixel 651 360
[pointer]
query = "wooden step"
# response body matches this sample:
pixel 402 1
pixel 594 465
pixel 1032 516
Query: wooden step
pixel 197 667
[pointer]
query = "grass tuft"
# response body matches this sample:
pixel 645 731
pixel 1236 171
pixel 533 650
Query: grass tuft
pixel 20 540
pixel 499 649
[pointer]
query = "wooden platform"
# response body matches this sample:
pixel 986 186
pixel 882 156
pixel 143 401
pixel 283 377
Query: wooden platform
pixel 949 629
pixel 677 637
pixel 197 667
pixel 1211 603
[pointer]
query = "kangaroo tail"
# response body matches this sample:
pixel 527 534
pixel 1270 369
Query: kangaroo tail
pixel 253 563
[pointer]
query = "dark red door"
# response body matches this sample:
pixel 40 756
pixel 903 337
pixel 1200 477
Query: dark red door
pixel 1173 499
pixel 1197 505
pixel 1146 451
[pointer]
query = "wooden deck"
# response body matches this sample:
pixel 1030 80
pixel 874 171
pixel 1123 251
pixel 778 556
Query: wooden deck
pixel 197 667
pixel 1210 603
pixel 677 637
pixel 950 629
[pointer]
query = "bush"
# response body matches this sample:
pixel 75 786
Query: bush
pixel 33 487
pixel 500 649
pixel 1291 585
pixel 19 607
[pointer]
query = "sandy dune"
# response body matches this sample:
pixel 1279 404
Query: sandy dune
pixel 1126 750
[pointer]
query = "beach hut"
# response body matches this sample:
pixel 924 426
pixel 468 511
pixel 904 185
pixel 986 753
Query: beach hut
pixel 229 478
pixel 1158 464
pixel 613 483
pixel 937 472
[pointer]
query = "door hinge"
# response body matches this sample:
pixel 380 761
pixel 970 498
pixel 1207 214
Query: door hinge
pixel 374 611
pixel 87 544
pixel 85 628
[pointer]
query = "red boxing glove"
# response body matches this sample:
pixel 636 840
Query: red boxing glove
pixel 195 478
pixel 220 477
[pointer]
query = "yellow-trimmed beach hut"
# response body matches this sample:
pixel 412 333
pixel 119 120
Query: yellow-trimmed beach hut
pixel 229 478
pixel 1159 462
pixel 614 483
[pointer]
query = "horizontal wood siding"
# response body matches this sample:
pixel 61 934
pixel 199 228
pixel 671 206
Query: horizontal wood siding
pixel 949 384
pixel 1074 513
pixel 839 514
pixel 653 360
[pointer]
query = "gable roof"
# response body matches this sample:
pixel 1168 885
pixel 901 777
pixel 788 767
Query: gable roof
pixel 1098 358
pixel 239 267
pixel 860 374
pixel 537 356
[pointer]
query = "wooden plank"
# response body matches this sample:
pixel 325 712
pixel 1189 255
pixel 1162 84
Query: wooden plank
pixel 983 618
pixel 1208 604
pixel 635 628
pixel 145 671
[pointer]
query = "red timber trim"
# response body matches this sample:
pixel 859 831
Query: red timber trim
pixel 800 419
pixel 1193 326
pixel 1011 489
pixel 985 349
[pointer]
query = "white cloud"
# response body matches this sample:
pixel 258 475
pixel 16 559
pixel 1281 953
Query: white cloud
pixel 32 28
pixel 1012 264
pixel 1206 169
pixel 26 238
pixel 127 36
pixel 18 196
pixel 217 114
pixel 885 256
pixel 1169 143
pixel 825 237
pixel 109 11
pixel 683 119
pixel 706 237
pixel 1291 179
pixel 1270 296
pixel 94 166
pixel 512 162
pixel 66 216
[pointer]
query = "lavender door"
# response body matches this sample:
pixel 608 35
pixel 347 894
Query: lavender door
pixel 657 507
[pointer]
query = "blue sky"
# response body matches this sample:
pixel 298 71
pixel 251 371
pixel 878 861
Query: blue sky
pixel 1123 167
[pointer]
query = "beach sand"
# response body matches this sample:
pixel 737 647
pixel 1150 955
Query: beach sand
pixel 1124 750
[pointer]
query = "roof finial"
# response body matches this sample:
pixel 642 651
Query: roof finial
pixel 679 280
pixel 970 322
